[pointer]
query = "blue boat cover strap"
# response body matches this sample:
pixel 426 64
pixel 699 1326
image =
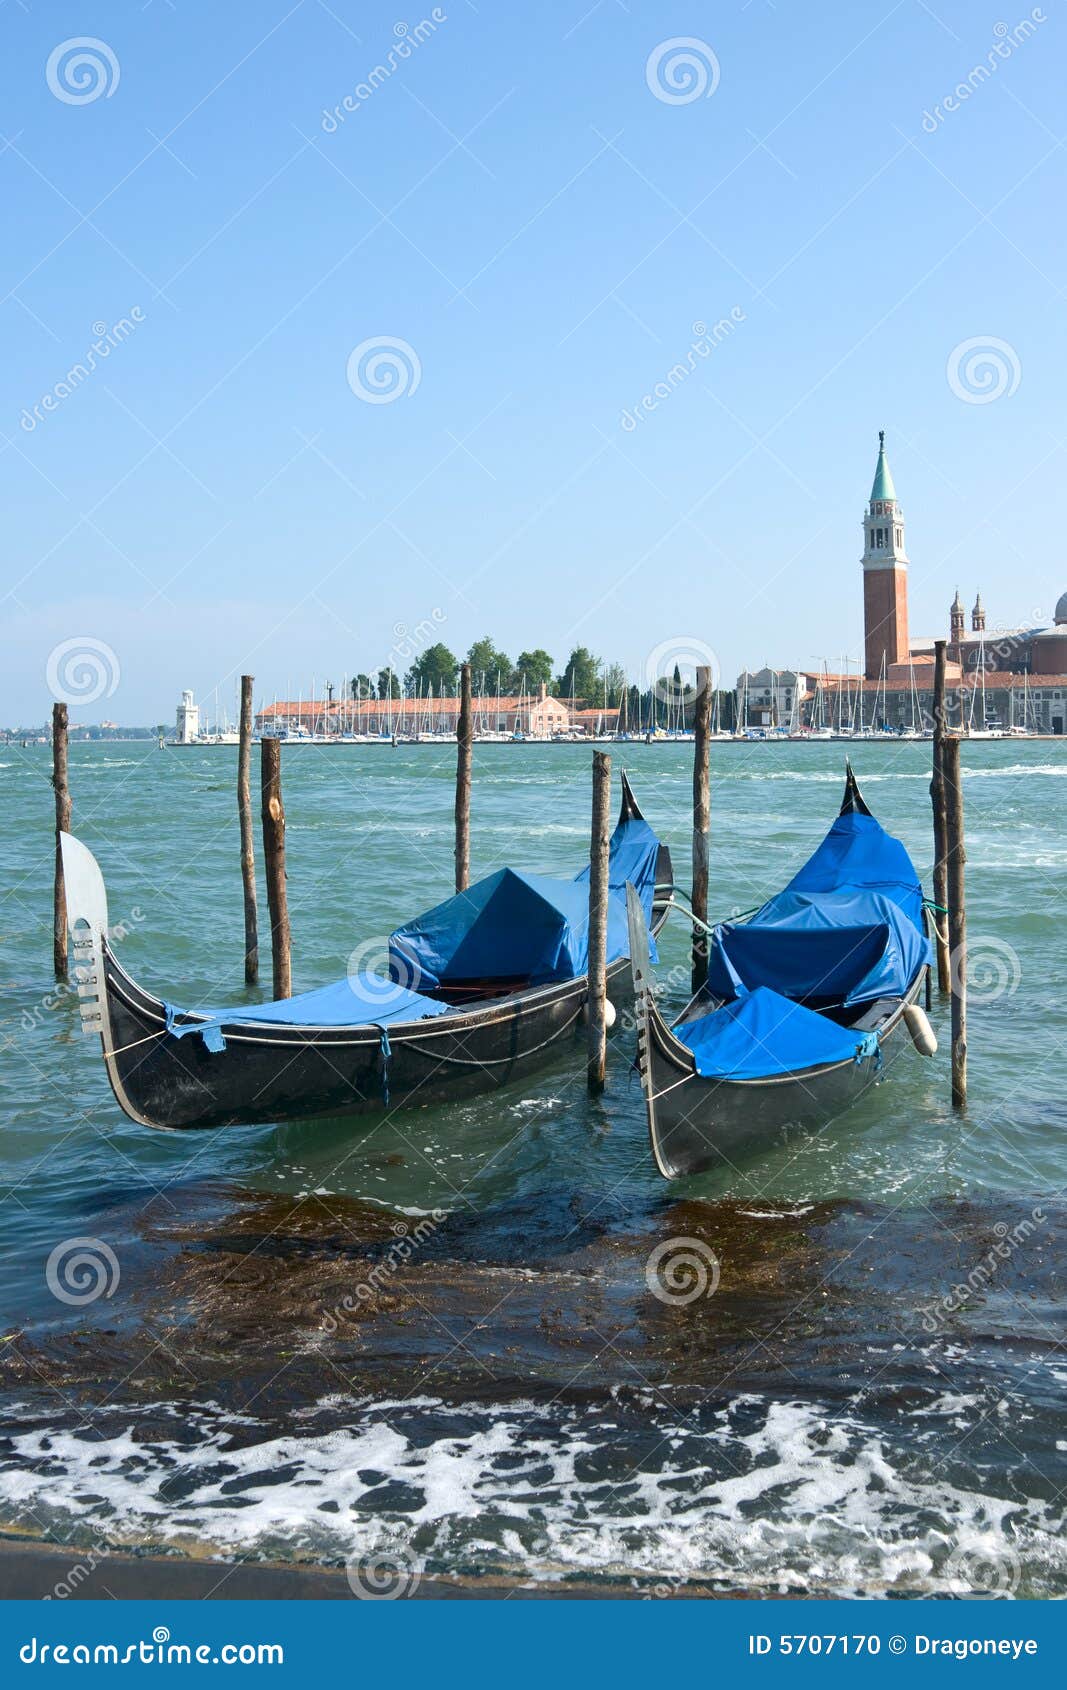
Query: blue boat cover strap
pixel 528 928
pixel 359 999
pixel 763 1034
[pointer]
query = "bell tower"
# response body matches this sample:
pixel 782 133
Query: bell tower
pixel 885 574
pixel 956 619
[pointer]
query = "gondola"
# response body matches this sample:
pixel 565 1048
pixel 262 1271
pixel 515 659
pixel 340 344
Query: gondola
pixel 480 991
pixel 803 1007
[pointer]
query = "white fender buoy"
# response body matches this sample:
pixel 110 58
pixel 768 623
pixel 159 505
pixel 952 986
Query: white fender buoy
pixel 609 1014
pixel 923 1036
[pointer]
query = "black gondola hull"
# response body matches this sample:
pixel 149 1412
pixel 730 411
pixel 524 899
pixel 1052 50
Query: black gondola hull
pixel 281 1073
pixel 275 1071
pixel 698 1124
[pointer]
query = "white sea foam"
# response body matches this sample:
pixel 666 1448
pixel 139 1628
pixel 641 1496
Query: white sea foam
pixel 768 1496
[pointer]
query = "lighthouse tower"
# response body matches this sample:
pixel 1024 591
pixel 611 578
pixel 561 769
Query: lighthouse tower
pixel 885 574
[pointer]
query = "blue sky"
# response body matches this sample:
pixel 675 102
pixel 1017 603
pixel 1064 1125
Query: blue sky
pixel 518 204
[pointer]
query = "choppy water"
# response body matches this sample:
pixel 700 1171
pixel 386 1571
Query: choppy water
pixel 434 1338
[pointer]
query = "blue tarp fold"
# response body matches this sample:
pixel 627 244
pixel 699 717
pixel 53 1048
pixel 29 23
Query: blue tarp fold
pixel 524 927
pixel 763 1034
pixel 847 928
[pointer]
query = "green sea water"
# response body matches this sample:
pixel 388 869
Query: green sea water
pixel 845 1472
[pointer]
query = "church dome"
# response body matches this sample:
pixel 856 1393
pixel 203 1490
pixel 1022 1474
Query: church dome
pixel 1060 613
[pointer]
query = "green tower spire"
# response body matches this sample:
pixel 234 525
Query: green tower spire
pixel 883 482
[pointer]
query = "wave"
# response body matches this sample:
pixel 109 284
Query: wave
pixel 775 1496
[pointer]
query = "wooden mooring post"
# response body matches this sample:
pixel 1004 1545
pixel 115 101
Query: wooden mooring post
pixel 274 864
pixel 248 854
pixel 938 800
pixel 62 792
pixel 701 825
pixel 464 759
pixel 957 915
pixel 599 881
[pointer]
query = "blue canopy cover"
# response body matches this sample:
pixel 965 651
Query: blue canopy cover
pixel 530 928
pixel 847 928
pixel 763 1033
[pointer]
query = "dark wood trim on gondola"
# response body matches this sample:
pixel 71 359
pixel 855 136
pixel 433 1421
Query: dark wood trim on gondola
pixel 282 1072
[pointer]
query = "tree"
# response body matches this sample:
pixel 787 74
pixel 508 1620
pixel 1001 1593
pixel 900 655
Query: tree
pixel 581 678
pixel 485 659
pixel 362 686
pixel 532 668
pixel 615 682
pixel 434 669
pixel 389 684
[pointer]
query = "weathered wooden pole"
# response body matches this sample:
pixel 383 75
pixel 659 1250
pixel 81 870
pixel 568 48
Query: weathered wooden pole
pixel 599 879
pixel 701 823
pixel 957 916
pixel 464 757
pixel 274 863
pixel 62 792
pixel 248 855
pixel 937 799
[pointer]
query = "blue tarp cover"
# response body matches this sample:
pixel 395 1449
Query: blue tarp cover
pixel 845 930
pixel 525 927
pixel 764 1034
pixel 508 926
pixel 355 1001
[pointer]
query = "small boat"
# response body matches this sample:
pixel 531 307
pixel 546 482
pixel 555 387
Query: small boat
pixel 802 1008
pixel 482 990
